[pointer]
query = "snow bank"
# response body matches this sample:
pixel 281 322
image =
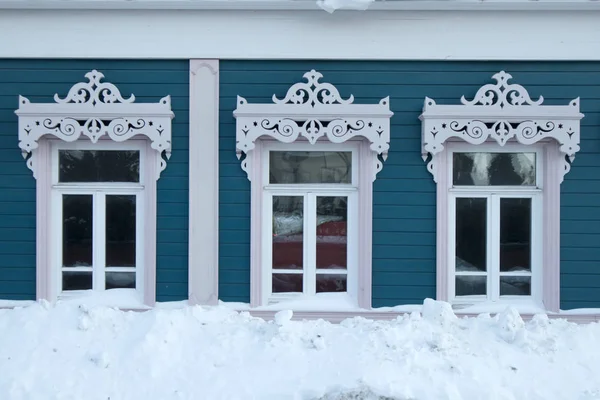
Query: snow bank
pixel 332 5
pixel 76 352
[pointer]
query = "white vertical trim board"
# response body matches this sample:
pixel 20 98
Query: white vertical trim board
pixel 203 247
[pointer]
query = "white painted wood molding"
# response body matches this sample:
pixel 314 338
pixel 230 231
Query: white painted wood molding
pixel 499 112
pixel 203 265
pixel 313 110
pixel 95 109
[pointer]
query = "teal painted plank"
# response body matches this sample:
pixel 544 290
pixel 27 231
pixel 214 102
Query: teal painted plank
pixel 404 251
pixel 404 238
pixel 416 212
pixel 172 275
pixel 17 274
pixel 234 277
pixel 403 225
pixel 404 265
pixel 580 267
pixel 579 240
pixel 592 280
pixel 24 288
pixel 402 278
pixel 403 291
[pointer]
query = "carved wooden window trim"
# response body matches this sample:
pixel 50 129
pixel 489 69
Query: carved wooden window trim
pixel 313 110
pixel 316 112
pixel 97 111
pixel 501 113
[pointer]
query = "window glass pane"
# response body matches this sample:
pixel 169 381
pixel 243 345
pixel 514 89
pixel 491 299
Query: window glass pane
pixel 77 230
pixel 76 280
pixel 332 221
pixel 310 167
pixel 470 285
pixel 515 235
pixel 515 286
pixel 120 231
pixel 471 234
pixel 98 166
pixel 494 169
pixel 331 283
pixel 283 283
pixel 288 230
pixel 120 280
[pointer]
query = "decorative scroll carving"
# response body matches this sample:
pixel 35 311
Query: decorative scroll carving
pixel 313 110
pixel 500 112
pixel 95 109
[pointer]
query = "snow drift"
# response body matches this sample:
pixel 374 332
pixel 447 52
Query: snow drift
pixel 71 351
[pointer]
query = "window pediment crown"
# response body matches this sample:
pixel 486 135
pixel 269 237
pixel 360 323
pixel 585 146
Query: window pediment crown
pixel 313 110
pixel 95 109
pixel 500 112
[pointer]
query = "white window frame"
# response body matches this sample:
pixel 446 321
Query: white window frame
pixel 493 194
pixel 312 113
pixel 310 192
pixel 99 191
pixel 93 115
pixel 503 114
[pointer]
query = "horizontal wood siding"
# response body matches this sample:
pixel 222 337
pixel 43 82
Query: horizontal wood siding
pixel 404 192
pixel 39 80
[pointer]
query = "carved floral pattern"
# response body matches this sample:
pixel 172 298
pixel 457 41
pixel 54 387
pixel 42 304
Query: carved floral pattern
pixel 500 112
pixel 95 109
pixel 313 110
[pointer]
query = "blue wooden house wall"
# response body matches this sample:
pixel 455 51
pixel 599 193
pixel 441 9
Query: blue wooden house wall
pixel 404 198
pixel 39 80
pixel 404 192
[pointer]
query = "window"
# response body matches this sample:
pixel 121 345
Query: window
pixel 498 161
pixel 311 158
pixel 495 207
pixel 96 157
pixel 98 193
pixel 311 200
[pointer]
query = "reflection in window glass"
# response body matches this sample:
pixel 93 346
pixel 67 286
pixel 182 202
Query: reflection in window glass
pixel 76 280
pixel 494 169
pixel 77 245
pixel 515 235
pixel 283 283
pixel 288 231
pixel 471 285
pixel 310 167
pixel 471 234
pixel 98 166
pixel 515 285
pixel 331 283
pixel 120 280
pixel 332 222
pixel 120 231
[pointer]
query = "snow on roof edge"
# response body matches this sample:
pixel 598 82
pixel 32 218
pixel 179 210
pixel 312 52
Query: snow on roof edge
pixel 328 5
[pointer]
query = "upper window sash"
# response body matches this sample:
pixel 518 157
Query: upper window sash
pixel 132 145
pixel 537 149
pixel 348 147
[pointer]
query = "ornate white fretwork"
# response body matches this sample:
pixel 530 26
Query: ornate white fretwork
pixel 313 110
pixel 500 112
pixel 95 109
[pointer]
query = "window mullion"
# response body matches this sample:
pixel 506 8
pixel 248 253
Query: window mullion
pixel 310 244
pixel 493 245
pixel 99 241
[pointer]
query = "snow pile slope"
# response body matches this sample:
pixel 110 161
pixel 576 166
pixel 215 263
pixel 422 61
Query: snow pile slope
pixel 97 353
